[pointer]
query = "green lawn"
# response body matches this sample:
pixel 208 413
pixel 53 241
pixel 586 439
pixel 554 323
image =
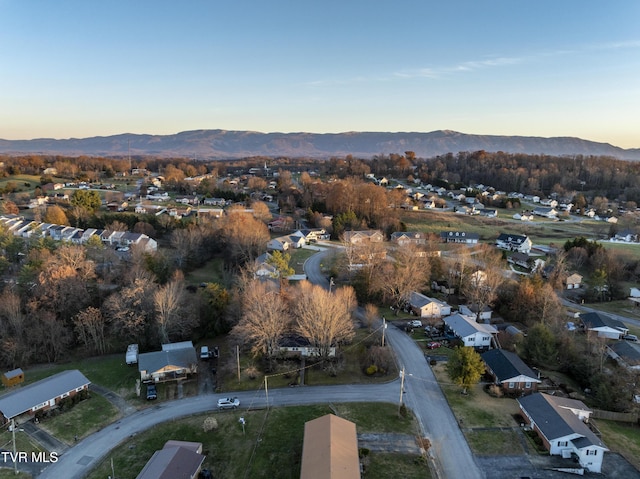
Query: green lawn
pixel 623 438
pixel 107 371
pixel 271 446
pixel 211 272
pixel 494 442
pixel 84 418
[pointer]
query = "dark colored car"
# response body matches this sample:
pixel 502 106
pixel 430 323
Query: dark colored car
pixel 152 392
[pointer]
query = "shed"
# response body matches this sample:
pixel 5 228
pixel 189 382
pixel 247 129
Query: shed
pixel 13 377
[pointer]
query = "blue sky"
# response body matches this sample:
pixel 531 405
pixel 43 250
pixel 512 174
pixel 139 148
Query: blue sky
pixel 73 69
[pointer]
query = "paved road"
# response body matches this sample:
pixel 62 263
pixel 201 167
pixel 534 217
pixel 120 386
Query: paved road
pixel 452 456
pixel 79 460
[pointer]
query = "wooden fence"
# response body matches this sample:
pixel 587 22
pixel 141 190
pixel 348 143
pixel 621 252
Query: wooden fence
pixel 615 416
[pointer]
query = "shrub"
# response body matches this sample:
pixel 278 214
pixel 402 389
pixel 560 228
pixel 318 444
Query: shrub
pixel 371 370
pixel 495 391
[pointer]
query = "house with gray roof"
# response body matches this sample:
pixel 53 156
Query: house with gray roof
pixel 459 237
pixel 510 242
pixel 176 460
pixel 175 361
pixel 470 332
pixel 625 354
pixel 562 424
pixel 605 326
pixel 42 395
pixel 510 372
pixel 426 307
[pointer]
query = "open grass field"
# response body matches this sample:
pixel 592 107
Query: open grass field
pixel 211 272
pixel 270 447
pixel 108 371
pixel 623 438
pixel 84 418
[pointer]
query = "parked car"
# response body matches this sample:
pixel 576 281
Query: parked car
pixel 415 323
pixel 228 403
pixel 630 337
pixel 204 352
pixel 152 392
pixel 433 345
pixel 122 249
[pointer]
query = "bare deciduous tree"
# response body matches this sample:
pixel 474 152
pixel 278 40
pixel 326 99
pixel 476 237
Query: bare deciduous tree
pixel 91 327
pixel 323 318
pixel 172 317
pixel 265 319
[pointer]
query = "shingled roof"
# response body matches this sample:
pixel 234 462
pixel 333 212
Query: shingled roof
pixel 507 365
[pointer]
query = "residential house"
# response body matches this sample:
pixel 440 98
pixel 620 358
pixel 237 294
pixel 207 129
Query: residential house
pixel 294 345
pixel 471 333
pixel 551 203
pixel 278 244
pixel 627 235
pixel 510 372
pixel 42 395
pixel 370 236
pixel 510 242
pixel 443 287
pixel 473 309
pixel 263 268
pixel 523 260
pixel 426 307
pixel 573 281
pixel 312 235
pixel 459 237
pixel 524 216
pixel 176 361
pixel 330 449
pixel 626 354
pixel 489 213
pixel 215 202
pixel 561 423
pixel 605 326
pixel 546 212
pixel 402 238
pixel 176 460
pixel 297 240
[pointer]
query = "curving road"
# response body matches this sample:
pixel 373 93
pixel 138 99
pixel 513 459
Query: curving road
pixel 79 460
pixel 422 394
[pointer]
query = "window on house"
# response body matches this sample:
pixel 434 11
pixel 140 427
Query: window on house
pixel 592 453
pixel 527 385
pixel 64 395
pixel 512 385
pixel 562 443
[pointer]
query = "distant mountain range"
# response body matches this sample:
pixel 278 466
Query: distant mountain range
pixel 222 144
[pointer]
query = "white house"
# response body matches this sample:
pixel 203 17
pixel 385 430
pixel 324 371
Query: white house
pixel 519 243
pixel 471 310
pixel 426 307
pixel 605 326
pixel 471 333
pixel 561 423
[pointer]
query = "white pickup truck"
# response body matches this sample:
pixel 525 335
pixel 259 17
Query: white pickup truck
pixel 132 354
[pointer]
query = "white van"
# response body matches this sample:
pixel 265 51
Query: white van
pixel 204 352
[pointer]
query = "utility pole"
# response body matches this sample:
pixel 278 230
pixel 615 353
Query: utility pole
pixel 13 436
pixel 266 390
pixel 384 326
pixel 238 360
pixel 401 388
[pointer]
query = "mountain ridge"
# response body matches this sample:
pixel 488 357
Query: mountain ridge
pixel 218 144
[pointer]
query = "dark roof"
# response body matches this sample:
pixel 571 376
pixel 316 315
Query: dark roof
pixel 555 420
pixel 21 400
pixel 507 365
pixel 172 463
pixel 459 234
pixel 628 352
pixel 293 341
pixel 599 320
pixel 514 239
pixel 182 357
